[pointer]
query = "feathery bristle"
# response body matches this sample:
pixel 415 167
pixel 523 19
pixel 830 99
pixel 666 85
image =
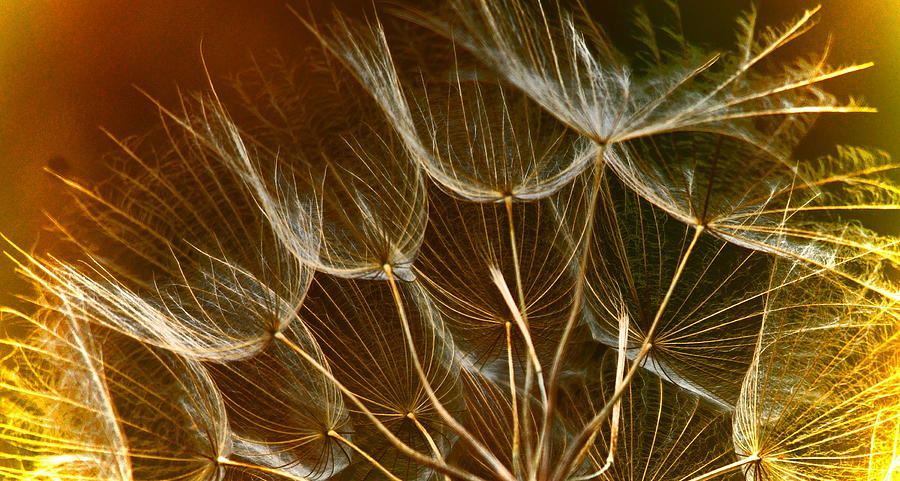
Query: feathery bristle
pixel 519 256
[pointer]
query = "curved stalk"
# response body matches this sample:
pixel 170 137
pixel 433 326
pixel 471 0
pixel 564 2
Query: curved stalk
pixel 575 452
pixel 525 329
pixel 621 360
pixel 500 282
pixel 725 469
pixel 514 402
pixel 495 463
pixel 430 440
pixel 255 467
pixel 334 434
pixel 391 437
pixel 578 298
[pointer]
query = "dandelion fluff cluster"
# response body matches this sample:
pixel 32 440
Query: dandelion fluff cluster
pixel 516 255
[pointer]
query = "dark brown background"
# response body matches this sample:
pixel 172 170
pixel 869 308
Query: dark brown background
pixel 68 68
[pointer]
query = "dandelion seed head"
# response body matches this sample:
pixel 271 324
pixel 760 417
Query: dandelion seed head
pixel 519 256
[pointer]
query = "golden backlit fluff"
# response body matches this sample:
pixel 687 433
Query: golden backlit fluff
pixel 473 243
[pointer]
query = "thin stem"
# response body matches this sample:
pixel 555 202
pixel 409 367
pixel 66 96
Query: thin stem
pixel 712 176
pixel 520 290
pixel 575 451
pixel 698 229
pixel 437 453
pixel 391 437
pixel 515 403
pixel 725 469
pixel 434 448
pixel 608 464
pixel 621 360
pixel 577 299
pixel 334 434
pixel 495 463
pixel 256 467
pixel 515 254
pixel 500 282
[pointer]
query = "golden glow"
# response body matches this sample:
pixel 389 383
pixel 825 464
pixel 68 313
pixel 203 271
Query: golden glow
pixel 800 356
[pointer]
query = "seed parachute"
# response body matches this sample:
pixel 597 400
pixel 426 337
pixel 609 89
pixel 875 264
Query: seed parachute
pixel 473 242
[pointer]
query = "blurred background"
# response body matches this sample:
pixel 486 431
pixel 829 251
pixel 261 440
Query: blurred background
pixel 69 69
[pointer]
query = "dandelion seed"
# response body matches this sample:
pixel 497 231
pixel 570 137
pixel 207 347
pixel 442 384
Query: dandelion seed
pixel 128 412
pixel 521 256
pixel 572 73
pixel 822 387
